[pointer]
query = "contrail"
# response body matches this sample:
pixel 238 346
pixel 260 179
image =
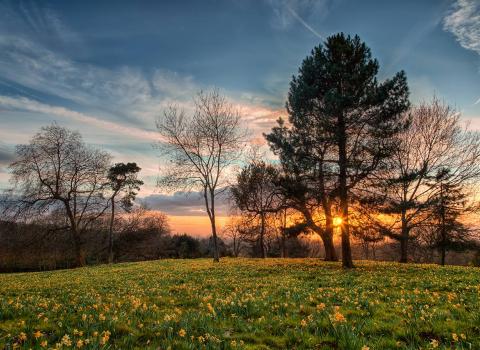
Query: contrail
pixel 305 24
pixel 477 102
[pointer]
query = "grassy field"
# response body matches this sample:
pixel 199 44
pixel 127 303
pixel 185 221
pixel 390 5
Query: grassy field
pixel 242 304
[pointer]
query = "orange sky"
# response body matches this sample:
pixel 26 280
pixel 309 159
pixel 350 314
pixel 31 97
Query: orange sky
pixel 195 225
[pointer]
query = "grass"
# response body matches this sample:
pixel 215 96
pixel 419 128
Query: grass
pixel 242 304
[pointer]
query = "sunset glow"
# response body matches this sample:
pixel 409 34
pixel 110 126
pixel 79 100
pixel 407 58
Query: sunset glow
pixel 337 221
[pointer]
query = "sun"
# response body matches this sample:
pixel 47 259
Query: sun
pixel 337 221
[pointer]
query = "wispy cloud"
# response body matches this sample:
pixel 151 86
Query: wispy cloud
pixel 464 23
pixel 288 12
pixel 305 24
pixel 26 104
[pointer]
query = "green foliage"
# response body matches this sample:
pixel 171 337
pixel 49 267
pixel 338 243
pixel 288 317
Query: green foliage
pixel 243 304
pixel 123 178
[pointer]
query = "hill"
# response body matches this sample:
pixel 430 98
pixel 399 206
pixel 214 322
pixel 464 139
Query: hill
pixel 242 304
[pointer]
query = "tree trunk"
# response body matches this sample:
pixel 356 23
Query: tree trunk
pixel 442 256
pixel 211 215
pixel 80 256
pixel 216 256
pixel 347 260
pixel 404 240
pixel 283 239
pixel 262 235
pixel 110 233
pixel 330 252
pixel 326 235
pixel 443 247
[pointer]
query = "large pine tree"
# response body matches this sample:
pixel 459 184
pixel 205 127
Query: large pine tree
pixel 342 122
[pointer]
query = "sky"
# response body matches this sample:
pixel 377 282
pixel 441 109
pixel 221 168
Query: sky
pixel 109 68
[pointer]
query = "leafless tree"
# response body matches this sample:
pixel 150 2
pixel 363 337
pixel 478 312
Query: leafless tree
pixel 57 171
pixel 434 141
pixel 201 148
pixel 233 235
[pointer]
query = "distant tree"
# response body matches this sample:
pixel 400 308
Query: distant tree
pixel 434 141
pixel 342 119
pixel 449 205
pixel 255 193
pixel 281 218
pixel 123 183
pixel 56 170
pixel 232 232
pixel 186 247
pixel 201 148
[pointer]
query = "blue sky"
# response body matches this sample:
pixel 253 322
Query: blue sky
pixel 108 68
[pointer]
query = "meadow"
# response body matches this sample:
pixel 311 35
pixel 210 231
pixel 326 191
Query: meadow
pixel 242 304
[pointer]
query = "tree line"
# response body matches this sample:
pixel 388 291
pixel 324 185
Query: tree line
pixel 353 157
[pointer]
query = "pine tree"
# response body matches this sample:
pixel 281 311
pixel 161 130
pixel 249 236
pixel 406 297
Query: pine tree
pixel 449 204
pixel 342 121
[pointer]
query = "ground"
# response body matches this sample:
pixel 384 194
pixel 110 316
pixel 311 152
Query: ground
pixel 242 304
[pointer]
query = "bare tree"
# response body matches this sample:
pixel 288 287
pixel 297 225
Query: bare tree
pixel 232 232
pixel 57 171
pixel 434 141
pixel 201 148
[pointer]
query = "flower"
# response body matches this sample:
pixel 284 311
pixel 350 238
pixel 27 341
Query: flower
pixel 105 337
pixel 182 332
pixel 44 344
pixel 320 306
pixel 22 336
pixel 454 336
pixel 303 323
pixel 37 334
pixel 211 309
pixel 66 340
pixel 338 317
pixel 365 347
pixel 434 343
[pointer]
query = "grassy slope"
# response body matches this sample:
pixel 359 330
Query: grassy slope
pixel 250 304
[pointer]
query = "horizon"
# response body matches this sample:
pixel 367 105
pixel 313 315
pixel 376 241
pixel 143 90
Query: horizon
pixel 109 71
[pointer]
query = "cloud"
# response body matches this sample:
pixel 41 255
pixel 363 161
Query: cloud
pixel 288 12
pixel 6 155
pixel 184 204
pixel 305 24
pixel 464 23
pixel 114 108
pixel 40 22
pixel 26 104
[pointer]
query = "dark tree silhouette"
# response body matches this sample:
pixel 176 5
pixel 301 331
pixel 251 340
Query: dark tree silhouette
pixel 342 120
pixel 434 141
pixel 123 183
pixel 450 203
pixel 57 171
pixel 256 193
